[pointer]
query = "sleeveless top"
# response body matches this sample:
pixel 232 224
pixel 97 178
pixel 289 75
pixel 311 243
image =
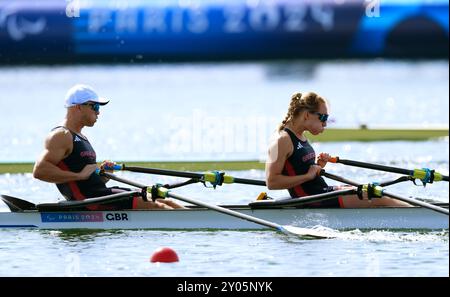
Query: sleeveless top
pixel 81 155
pixel 298 163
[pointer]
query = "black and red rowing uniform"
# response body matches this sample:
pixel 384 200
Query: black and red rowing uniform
pixel 83 154
pixel 303 156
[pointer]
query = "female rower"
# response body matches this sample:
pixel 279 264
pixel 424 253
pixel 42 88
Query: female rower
pixel 291 162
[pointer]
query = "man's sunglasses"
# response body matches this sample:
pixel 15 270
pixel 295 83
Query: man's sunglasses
pixel 322 116
pixel 94 106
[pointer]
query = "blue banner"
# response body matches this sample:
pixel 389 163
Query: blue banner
pixel 72 31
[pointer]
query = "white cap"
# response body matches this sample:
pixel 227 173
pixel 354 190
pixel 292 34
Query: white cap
pixel 79 94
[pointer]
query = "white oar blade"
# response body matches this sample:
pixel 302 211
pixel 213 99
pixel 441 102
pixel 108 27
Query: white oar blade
pixel 306 232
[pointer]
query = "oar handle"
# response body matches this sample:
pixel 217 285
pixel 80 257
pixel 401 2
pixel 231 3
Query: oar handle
pixel 333 160
pixel 116 167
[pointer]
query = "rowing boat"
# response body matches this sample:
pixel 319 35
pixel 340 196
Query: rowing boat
pixel 260 214
pixel 382 218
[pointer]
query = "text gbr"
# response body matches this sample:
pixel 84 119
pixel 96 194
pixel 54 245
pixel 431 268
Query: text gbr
pixel 116 216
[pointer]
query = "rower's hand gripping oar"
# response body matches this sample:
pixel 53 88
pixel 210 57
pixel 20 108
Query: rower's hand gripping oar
pixel 376 191
pixel 158 191
pixel 425 175
pixel 215 178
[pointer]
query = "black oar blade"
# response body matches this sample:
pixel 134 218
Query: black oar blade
pixel 17 204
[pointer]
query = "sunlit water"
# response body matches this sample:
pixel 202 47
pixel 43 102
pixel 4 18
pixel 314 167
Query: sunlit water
pixel 210 112
pixel 224 253
pixel 213 111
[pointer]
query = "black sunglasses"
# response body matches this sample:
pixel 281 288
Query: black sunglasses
pixel 322 116
pixel 94 106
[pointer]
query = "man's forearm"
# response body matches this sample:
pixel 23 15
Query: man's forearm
pixel 53 174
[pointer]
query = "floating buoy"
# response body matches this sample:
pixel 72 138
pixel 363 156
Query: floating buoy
pixel 164 255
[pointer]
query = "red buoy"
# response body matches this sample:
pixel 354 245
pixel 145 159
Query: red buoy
pixel 164 255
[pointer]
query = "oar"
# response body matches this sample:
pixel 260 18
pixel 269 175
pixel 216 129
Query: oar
pixel 287 229
pixel 215 178
pixel 425 175
pixel 302 200
pixel 381 192
pixel 163 193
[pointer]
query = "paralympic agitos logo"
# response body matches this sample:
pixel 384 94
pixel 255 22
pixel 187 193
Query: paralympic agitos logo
pixel 18 26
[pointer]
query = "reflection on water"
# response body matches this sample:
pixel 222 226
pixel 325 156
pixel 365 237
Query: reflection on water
pixel 288 70
pixel 81 235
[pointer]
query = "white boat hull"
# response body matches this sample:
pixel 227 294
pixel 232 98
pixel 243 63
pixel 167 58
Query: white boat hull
pixel 197 218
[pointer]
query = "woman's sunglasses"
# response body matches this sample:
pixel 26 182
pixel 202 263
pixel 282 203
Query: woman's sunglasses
pixel 322 116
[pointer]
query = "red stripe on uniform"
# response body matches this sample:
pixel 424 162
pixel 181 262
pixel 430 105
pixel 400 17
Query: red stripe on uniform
pixel 341 202
pixel 77 195
pixel 135 202
pixel 291 172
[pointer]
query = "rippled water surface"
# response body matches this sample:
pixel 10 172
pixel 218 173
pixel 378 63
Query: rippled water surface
pixel 213 111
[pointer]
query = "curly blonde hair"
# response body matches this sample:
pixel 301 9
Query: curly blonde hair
pixel 301 102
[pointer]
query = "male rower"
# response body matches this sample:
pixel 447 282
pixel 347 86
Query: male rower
pixel 69 161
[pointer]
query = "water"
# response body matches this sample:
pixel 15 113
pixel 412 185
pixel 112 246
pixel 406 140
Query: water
pixel 213 111
pixel 224 253
pixel 187 111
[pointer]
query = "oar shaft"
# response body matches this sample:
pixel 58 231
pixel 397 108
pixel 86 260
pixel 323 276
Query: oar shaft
pixel 404 199
pixel 195 202
pixel 322 197
pixel 163 172
pixel 425 174
pixel 375 166
pixel 228 212
pixel 249 181
pixel 417 202
pixel 339 178
pixel 209 176
pixel 122 180
pixel 396 181
pixel 285 229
